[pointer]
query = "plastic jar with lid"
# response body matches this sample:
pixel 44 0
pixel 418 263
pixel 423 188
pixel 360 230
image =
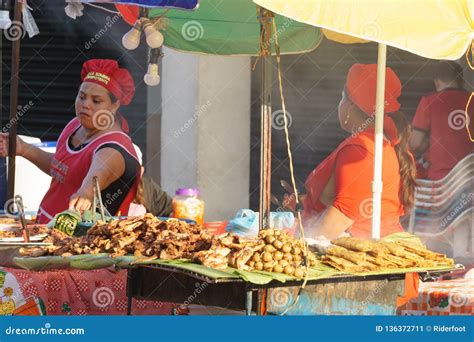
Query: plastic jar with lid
pixel 188 204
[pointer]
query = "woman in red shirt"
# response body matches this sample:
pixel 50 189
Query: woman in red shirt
pixel 339 196
pixel 92 144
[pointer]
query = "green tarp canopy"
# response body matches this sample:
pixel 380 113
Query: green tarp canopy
pixel 231 28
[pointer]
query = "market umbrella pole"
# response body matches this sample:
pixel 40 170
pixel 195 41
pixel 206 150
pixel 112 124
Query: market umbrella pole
pixel 377 183
pixel 265 17
pixel 13 105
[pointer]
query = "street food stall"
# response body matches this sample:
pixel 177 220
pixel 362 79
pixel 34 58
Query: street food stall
pixel 171 260
pixel 175 261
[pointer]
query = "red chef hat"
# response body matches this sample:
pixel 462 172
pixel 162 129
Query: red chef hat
pixel 362 86
pixel 107 73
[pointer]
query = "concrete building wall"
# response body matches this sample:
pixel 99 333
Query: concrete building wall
pixel 205 129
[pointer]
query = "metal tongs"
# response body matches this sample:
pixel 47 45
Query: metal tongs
pixel 21 211
pixel 97 199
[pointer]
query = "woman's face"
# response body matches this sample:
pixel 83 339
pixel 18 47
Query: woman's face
pixel 94 108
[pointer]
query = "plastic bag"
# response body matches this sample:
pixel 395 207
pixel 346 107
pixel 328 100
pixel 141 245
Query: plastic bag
pixel 245 222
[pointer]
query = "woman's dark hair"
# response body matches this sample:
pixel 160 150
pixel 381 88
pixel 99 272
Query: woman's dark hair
pixel 112 97
pixel 140 195
pixel 448 71
pixel 406 160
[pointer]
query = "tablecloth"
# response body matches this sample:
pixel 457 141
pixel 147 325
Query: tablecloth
pixel 442 298
pixel 71 292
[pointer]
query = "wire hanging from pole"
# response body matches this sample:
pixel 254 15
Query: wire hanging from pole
pixel 292 173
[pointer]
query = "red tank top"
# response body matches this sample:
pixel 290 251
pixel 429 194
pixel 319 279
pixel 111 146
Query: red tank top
pixel 69 168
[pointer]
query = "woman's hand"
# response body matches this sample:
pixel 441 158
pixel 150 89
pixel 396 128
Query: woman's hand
pixel 4 138
pixel 289 201
pixel 81 200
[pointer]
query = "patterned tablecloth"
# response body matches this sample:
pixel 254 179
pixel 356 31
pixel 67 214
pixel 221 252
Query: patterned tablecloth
pixel 71 292
pixel 442 298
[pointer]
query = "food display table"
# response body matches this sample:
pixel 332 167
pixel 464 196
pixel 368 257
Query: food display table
pixel 329 292
pixel 178 281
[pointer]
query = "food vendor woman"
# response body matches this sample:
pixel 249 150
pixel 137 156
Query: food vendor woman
pixel 339 196
pixel 94 143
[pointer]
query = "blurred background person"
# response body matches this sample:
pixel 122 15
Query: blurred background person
pixel 440 139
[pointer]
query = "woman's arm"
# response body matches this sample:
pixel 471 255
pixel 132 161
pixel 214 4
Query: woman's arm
pixel 34 154
pixel 37 156
pixel 108 165
pixel 348 187
pixel 331 223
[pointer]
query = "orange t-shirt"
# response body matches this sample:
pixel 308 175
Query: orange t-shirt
pixel 352 165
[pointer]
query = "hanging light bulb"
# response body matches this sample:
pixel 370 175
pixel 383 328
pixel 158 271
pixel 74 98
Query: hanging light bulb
pixel 152 78
pixel 154 38
pixel 131 39
pixel 5 21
